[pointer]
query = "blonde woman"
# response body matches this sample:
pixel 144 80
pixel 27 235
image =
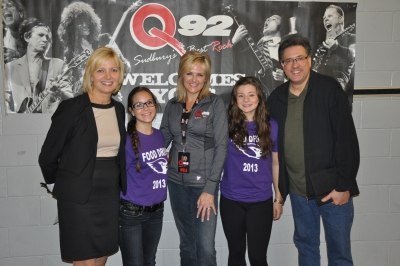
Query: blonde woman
pixel 83 155
pixel 195 123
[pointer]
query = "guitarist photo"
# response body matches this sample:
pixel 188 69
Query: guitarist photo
pixel 336 55
pixel 268 46
pixel 34 74
pixel 80 29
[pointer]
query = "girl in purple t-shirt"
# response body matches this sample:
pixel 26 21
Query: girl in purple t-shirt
pixel 251 167
pixel 142 208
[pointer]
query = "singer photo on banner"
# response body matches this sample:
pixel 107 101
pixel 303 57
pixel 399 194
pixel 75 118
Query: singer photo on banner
pixel 46 44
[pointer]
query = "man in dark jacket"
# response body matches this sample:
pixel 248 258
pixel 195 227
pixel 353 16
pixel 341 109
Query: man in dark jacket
pixel 318 155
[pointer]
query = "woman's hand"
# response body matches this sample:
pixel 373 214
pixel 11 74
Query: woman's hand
pixel 205 204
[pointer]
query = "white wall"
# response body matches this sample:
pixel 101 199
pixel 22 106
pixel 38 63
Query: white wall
pixel 27 236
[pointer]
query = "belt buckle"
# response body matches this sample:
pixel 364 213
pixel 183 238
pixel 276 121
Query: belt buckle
pixel 127 204
pixel 133 207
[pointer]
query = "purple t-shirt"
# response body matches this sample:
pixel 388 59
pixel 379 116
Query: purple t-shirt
pixel 248 177
pixel 148 187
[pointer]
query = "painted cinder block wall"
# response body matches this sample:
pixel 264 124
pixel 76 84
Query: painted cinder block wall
pixel 28 236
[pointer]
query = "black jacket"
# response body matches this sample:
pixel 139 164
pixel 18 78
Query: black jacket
pixel 68 153
pixel 330 138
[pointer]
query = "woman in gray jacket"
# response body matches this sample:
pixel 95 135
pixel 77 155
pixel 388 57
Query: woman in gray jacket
pixel 195 122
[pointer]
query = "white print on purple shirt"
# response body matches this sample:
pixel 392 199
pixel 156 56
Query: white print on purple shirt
pixel 253 151
pixel 159 184
pixel 159 165
pixel 149 155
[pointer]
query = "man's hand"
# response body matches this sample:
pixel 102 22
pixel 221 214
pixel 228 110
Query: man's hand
pixel 127 64
pixel 278 75
pixel 60 90
pixel 239 34
pixel 9 101
pixel 330 44
pixel 10 54
pixel 338 198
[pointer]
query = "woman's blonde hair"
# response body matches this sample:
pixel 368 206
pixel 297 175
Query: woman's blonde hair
pixel 186 64
pixel 98 57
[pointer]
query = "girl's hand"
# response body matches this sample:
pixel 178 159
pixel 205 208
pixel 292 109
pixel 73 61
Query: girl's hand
pixel 278 210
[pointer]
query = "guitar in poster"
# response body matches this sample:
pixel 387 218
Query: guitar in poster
pixel 151 36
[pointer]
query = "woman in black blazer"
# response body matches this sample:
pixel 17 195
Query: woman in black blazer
pixel 83 155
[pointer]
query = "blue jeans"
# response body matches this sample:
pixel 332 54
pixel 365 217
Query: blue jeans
pixel 197 238
pixel 139 234
pixel 337 221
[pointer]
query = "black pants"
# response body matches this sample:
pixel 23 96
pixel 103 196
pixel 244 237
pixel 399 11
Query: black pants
pixel 241 219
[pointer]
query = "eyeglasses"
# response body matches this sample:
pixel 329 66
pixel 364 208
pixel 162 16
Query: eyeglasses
pixel 300 60
pixel 140 105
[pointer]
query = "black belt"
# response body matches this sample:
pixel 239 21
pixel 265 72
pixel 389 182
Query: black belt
pixel 111 158
pixel 138 208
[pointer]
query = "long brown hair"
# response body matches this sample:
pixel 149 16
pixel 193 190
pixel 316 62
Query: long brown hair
pixel 237 120
pixel 131 128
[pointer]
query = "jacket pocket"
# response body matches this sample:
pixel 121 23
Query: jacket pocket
pixel 323 183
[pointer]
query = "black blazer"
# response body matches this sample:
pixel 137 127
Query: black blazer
pixel 68 153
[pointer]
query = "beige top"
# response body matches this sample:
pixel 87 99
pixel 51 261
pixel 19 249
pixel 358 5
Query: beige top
pixel 107 130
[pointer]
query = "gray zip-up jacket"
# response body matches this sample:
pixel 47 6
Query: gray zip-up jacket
pixel 207 141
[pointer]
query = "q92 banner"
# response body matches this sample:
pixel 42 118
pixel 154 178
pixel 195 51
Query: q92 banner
pixel 46 44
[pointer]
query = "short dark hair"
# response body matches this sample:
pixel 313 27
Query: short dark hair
pixel 338 9
pixel 27 26
pixel 294 40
